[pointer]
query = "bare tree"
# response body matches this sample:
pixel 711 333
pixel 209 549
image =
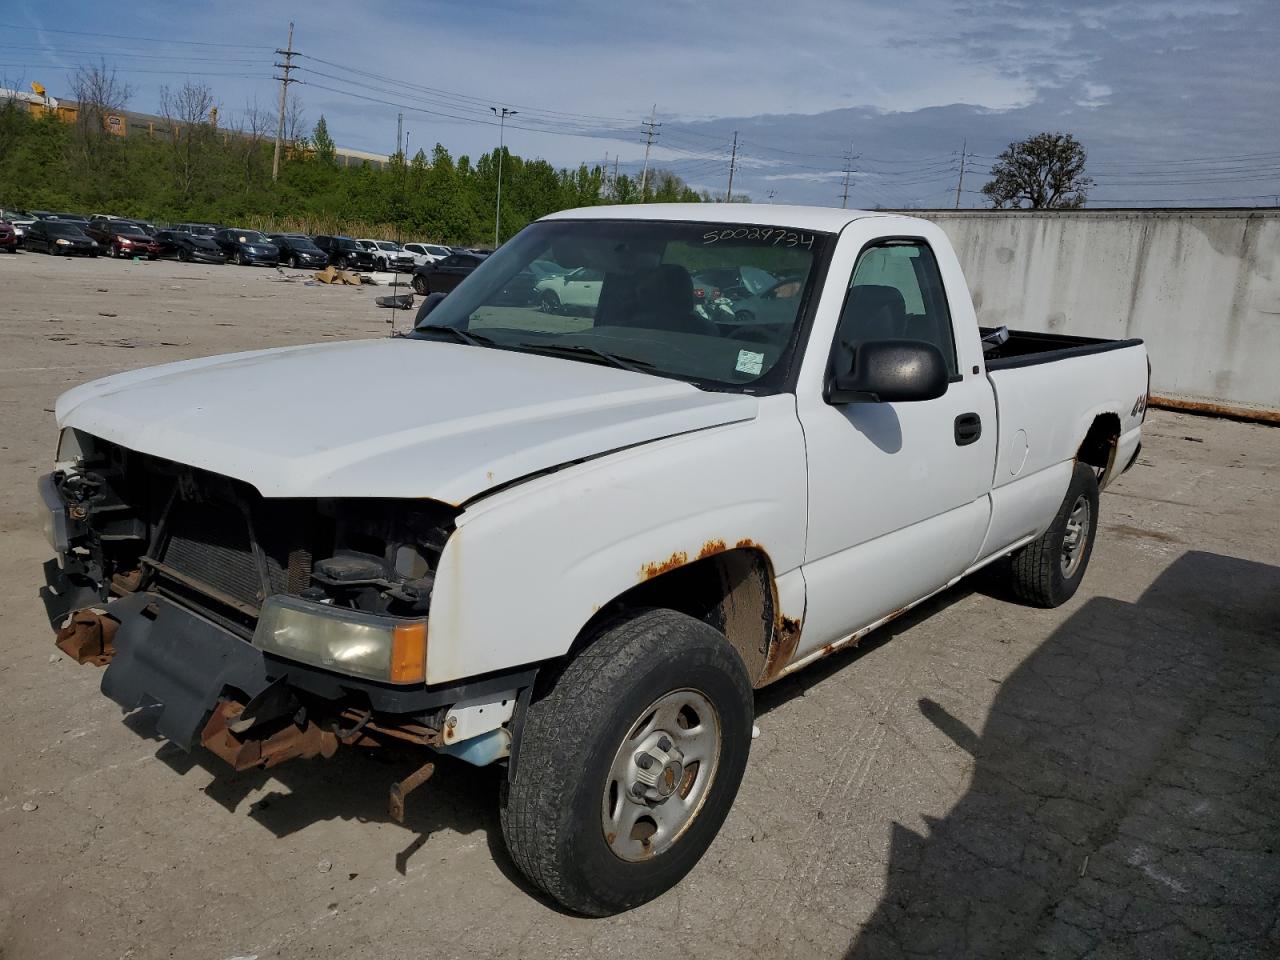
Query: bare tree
pixel 100 99
pixel 295 131
pixel 187 113
pixel 253 131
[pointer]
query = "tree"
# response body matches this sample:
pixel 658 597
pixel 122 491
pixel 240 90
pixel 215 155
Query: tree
pixel 326 151
pixel 188 112
pixel 1041 172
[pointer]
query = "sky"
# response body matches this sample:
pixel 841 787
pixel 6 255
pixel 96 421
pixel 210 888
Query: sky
pixel 1176 101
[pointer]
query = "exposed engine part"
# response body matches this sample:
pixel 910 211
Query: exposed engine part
pixel 88 638
pixel 401 790
pixel 291 741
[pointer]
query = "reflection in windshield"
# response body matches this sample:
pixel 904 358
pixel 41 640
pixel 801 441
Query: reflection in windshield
pixel 716 304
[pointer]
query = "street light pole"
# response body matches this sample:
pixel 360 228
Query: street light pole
pixel 497 213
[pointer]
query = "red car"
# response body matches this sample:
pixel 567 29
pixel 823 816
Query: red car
pixel 123 238
pixel 8 237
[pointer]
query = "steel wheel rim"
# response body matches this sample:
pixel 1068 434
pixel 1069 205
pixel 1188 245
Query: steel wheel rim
pixel 642 820
pixel 1076 536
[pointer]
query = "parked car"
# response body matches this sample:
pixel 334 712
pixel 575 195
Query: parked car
pixel 122 238
pixel 443 275
pixel 188 247
pixel 20 220
pixel 62 238
pixel 247 247
pixel 732 282
pixel 424 253
pixel 613 532
pixel 8 237
pixel 297 250
pixel 344 253
pixel 573 292
pixel 388 256
pixel 197 229
pixel 146 226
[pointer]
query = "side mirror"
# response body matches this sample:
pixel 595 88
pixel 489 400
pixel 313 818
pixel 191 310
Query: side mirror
pixel 886 371
pixel 429 303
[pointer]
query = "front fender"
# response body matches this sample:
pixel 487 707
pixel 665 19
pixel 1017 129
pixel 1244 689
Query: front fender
pixel 527 567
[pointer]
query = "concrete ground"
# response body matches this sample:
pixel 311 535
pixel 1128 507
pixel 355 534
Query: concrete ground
pixel 980 779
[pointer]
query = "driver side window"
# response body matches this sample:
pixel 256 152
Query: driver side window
pixel 896 293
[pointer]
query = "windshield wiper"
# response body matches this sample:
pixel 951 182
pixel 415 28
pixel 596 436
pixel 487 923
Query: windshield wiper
pixel 578 349
pixel 474 339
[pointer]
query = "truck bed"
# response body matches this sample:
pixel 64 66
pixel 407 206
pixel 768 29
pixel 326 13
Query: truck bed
pixel 1025 348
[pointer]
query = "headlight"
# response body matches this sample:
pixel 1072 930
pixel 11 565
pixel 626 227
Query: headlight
pixel 93 243
pixel 344 640
pixel 62 242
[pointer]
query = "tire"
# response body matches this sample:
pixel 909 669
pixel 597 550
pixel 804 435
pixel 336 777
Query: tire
pixel 342 263
pixel 420 285
pixel 744 317
pixel 380 265
pixel 240 258
pixel 1047 572
pixel 293 262
pixel 183 255
pixel 549 302
pixel 581 730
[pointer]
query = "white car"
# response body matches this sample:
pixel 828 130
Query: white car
pixel 388 256
pixel 572 292
pixel 424 253
pixel 575 550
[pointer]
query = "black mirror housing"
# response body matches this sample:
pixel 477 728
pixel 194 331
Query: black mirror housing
pixel 429 303
pixel 887 371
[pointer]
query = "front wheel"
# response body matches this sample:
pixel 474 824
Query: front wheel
pixel 1048 571
pixel 629 762
pixel 549 302
pixel 183 255
pixel 420 285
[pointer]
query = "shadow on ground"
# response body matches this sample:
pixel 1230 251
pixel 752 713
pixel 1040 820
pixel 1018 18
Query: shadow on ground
pixel 1125 800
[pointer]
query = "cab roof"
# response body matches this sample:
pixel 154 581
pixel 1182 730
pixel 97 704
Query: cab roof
pixel 825 219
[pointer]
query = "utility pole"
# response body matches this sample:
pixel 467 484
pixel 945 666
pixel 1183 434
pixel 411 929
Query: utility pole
pixel 288 53
pixel 848 169
pixel 771 195
pixel 497 213
pixel 733 160
pixel 650 131
pixel 400 134
pixel 964 151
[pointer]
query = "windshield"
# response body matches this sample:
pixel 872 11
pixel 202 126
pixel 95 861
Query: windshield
pixel 438 251
pixel 201 231
pixel 63 229
pixel 250 236
pixel 302 243
pixel 623 292
pixel 386 245
pixel 127 230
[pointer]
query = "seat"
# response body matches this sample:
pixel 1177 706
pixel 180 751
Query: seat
pixel 872 312
pixel 664 301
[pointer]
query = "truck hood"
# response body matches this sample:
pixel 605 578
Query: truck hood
pixel 388 418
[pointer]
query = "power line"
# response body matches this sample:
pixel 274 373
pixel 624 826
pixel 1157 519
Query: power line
pixel 288 53
pixel 118 36
pixel 733 162
pixel 650 131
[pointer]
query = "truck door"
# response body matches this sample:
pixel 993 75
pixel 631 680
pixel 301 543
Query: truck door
pixel 898 492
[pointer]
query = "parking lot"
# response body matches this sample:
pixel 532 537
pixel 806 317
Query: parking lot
pixel 978 779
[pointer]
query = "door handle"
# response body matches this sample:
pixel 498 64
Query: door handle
pixel 968 428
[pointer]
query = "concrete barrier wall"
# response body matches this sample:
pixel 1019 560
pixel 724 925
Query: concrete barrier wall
pixel 1202 288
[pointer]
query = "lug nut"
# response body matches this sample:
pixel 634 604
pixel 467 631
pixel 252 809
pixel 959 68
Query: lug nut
pixel 644 761
pixel 664 744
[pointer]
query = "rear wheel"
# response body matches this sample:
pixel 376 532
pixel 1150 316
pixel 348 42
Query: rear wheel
pixel 629 763
pixel 183 255
pixel 549 302
pixel 1048 571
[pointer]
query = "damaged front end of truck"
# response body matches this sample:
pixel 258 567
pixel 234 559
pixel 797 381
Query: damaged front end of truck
pixel 264 630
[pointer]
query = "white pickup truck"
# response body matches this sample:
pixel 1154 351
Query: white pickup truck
pixel 574 544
